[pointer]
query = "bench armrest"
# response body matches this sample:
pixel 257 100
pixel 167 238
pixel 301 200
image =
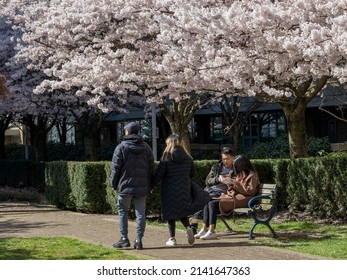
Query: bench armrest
pixel 258 197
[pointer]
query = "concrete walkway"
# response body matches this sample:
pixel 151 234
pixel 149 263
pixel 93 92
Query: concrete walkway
pixel 25 220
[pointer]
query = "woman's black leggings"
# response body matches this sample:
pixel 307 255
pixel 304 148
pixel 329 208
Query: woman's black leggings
pixel 211 210
pixel 172 225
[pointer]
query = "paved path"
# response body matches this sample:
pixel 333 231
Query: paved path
pixel 25 220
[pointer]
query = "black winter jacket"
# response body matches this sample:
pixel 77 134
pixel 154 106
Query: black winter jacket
pixel 175 176
pixel 132 166
pixel 216 170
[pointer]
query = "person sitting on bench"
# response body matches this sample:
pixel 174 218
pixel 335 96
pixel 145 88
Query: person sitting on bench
pixel 241 190
pixel 217 181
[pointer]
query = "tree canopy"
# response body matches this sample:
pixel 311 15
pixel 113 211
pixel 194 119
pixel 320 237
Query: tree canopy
pixel 277 51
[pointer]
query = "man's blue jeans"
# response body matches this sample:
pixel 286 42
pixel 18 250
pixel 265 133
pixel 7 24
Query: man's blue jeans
pixel 124 201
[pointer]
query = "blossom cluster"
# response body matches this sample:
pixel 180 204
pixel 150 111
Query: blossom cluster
pixel 99 51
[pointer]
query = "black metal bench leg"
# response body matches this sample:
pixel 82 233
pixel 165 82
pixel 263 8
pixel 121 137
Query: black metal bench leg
pixel 274 235
pixel 229 229
pixel 250 235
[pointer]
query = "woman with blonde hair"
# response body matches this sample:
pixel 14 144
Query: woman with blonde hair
pixel 175 170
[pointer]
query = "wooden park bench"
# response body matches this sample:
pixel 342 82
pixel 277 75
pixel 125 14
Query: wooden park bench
pixel 262 207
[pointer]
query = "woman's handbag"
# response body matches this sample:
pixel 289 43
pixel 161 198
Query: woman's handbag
pixel 217 190
pixel 199 197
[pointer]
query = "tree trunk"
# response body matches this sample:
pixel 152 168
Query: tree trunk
pixel 38 127
pixel 62 131
pixel 179 116
pixel 90 124
pixel 294 110
pixel 91 146
pixel 40 145
pixel 296 130
pixel 235 120
pixel 4 123
pixel 181 130
pixel 2 144
pixel 3 88
pixel 235 135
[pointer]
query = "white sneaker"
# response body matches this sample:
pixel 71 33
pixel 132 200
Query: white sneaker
pixel 190 235
pixel 209 235
pixel 171 242
pixel 202 232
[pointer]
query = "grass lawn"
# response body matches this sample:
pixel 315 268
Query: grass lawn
pixel 57 248
pixel 308 237
pixel 311 237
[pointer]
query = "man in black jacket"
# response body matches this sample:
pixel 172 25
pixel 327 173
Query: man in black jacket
pixel 131 174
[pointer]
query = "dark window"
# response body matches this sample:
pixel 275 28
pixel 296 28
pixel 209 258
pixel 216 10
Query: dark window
pixel 263 127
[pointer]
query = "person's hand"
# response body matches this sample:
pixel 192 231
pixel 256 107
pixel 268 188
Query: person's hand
pixel 228 181
pixel 234 182
pixel 225 180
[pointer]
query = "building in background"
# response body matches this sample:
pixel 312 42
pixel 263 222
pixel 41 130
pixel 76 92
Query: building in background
pixel 207 130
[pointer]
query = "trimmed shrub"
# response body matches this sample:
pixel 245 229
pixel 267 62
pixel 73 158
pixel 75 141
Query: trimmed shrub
pixel 316 186
pixel 78 186
pixel 279 148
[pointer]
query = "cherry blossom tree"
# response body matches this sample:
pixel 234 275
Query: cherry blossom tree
pixel 104 46
pixel 178 51
pixel 6 50
pixel 281 51
pixel 37 113
pixel 40 54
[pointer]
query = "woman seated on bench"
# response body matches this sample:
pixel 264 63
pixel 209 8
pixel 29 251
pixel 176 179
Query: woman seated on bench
pixel 242 189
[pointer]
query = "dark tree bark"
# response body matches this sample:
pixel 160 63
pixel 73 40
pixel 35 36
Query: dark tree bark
pixel 4 124
pixel 90 126
pixel 179 115
pixel 294 111
pixel 38 127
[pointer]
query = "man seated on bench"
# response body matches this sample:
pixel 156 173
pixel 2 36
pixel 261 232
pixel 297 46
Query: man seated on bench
pixel 217 181
pixel 242 189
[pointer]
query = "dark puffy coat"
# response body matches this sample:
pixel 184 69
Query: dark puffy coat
pixel 175 176
pixel 132 166
pixel 216 170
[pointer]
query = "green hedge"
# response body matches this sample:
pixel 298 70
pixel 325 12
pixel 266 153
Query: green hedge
pixel 318 186
pixel 314 185
pixel 81 186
